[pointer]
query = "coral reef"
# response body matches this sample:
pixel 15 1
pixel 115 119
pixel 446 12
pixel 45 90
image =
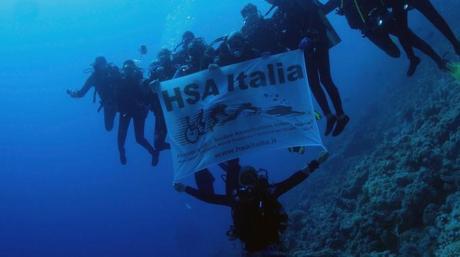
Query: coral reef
pixel 393 189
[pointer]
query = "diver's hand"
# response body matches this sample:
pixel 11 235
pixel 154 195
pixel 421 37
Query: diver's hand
pixel 323 156
pixel 311 167
pixel 72 93
pixel 213 67
pixel 179 187
pixel 297 149
pixel 154 85
pixel 306 44
pixel 314 165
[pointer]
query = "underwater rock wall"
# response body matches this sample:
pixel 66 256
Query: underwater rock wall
pixel 392 186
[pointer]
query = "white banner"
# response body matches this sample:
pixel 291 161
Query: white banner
pixel 258 105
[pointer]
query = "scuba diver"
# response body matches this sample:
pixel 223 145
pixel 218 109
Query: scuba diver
pixel 258 217
pixel 179 56
pixel 161 70
pixel 132 106
pixel 302 24
pixel 105 78
pixel 259 32
pixel 234 49
pixel 426 8
pixel 376 23
pixel 356 20
pixel 200 56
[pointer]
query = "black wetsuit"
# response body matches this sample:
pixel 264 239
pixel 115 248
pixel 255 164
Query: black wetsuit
pixel 105 84
pixel 262 36
pixel 232 178
pixel 359 17
pixel 132 106
pixel 426 8
pixel 258 236
pixel 180 57
pixel 309 20
pixel 409 39
pixel 195 64
pixel 161 73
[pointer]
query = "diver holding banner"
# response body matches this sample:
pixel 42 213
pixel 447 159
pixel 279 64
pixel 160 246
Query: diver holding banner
pixel 221 114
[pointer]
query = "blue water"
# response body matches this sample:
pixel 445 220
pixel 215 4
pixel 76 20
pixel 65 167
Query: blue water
pixel 62 189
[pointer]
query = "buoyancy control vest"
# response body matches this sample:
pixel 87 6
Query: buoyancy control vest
pixel 258 219
pixel 298 19
pixel 105 84
pixel 359 13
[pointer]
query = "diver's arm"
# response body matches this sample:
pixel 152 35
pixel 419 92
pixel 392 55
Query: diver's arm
pixel 82 92
pixel 330 6
pixel 295 179
pixel 209 198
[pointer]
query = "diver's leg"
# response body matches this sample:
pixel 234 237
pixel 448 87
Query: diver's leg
pixel 109 117
pixel 139 127
pixel 318 93
pixel 383 41
pixel 326 79
pixel 406 44
pixel 122 133
pixel 160 133
pixel 430 12
pixel 423 46
pixel 233 176
pixel 409 40
pixel 400 28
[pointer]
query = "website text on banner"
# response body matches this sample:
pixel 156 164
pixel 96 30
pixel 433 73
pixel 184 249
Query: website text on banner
pixel 214 116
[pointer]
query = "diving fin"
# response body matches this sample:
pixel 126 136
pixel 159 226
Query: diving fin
pixel 454 69
pixel 318 116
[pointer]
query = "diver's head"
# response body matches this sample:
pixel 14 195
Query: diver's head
pixel 236 44
pixel 187 38
pixel 196 48
pixel 250 13
pixel 129 68
pixel 164 56
pixel 100 64
pixel 250 177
